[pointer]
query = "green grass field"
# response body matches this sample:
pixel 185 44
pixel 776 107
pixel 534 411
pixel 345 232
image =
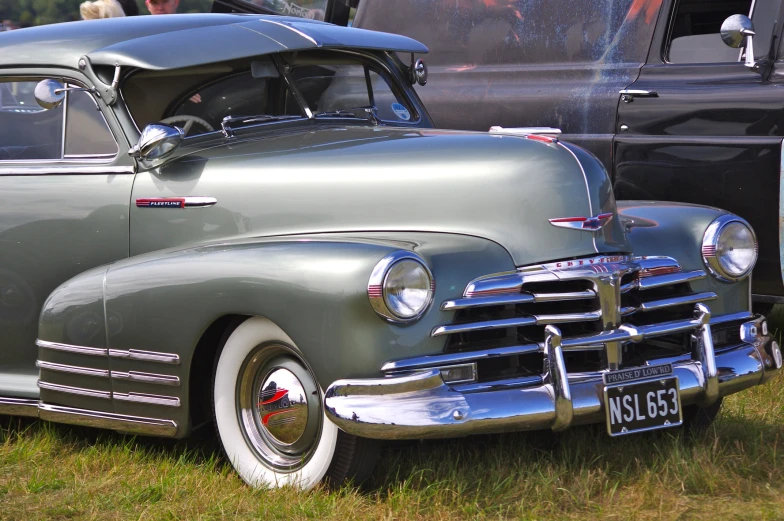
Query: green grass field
pixel 733 471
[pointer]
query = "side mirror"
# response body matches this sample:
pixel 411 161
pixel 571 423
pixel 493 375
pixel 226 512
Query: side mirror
pixel 156 143
pixel 49 94
pixel 735 30
pixel 420 72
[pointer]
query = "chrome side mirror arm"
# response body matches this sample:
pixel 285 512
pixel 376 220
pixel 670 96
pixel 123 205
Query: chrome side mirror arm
pixel 156 144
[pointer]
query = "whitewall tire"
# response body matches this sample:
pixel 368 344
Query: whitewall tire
pixel 269 414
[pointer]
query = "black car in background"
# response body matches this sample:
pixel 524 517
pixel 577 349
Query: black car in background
pixel 648 86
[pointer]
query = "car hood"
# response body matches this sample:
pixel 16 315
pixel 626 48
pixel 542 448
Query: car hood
pixel 329 178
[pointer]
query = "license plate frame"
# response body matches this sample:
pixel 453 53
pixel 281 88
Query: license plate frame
pixel 641 389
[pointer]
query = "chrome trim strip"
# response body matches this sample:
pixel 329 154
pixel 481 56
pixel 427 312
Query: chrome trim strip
pixel 107 420
pixel 570 295
pixel 66 170
pixel 568 317
pixel 480 326
pixel 152 399
pixel 516 322
pixel 19 407
pixel 72 369
pixel 68 348
pixel 151 378
pixel 499 385
pixel 521 298
pixel 443 359
pixel 74 390
pixel 675 301
pixel 499 300
pixel 656 281
pixel 147 356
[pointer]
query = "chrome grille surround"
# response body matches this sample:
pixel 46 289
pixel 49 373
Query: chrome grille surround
pixel 607 282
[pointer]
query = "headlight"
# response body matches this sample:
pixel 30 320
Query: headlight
pixel 401 287
pixel 729 248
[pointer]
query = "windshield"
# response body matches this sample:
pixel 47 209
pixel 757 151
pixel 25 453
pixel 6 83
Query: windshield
pixel 320 84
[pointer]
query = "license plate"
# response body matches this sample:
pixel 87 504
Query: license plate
pixel 643 406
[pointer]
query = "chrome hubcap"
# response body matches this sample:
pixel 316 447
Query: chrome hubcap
pixel 279 407
pixel 282 407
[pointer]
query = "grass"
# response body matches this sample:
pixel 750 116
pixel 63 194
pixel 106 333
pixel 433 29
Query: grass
pixel 733 471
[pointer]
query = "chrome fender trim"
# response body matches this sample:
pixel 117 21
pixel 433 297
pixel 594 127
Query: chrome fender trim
pixel 73 416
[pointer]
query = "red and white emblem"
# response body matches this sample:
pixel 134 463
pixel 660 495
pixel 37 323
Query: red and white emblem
pixel 590 224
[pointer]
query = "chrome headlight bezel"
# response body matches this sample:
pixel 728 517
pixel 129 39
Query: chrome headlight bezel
pixel 710 241
pixel 378 281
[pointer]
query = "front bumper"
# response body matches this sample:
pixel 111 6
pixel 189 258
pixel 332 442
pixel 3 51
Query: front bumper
pixel 421 405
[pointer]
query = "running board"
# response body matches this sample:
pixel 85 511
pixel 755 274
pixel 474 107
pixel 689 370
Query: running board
pixel 101 420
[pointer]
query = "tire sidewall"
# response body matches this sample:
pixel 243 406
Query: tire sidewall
pixel 244 340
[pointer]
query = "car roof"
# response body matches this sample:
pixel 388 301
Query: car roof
pixel 176 41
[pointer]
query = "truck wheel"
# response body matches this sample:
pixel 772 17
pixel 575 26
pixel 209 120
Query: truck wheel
pixel 269 413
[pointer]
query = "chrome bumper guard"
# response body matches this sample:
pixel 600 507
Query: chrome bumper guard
pixel 421 405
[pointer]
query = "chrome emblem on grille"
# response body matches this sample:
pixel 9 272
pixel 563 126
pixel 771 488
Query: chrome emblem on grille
pixel 590 224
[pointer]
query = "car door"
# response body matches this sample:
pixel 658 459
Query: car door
pixel 65 184
pixel 518 63
pixel 701 127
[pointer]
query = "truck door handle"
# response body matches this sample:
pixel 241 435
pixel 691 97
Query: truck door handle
pixel 628 95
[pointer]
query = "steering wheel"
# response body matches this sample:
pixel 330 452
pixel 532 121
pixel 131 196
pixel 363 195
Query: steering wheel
pixel 189 121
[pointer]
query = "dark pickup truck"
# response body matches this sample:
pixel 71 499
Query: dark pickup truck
pixel 648 86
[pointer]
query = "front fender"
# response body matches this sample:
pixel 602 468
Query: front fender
pixel 313 287
pixel 676 230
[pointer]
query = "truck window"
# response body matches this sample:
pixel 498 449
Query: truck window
pixel 695 30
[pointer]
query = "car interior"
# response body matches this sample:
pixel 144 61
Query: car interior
pixel 327 81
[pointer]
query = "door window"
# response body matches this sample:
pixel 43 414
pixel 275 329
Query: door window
pixel 26 130
pixel 696 24
pixel 75 129
pixel 86 131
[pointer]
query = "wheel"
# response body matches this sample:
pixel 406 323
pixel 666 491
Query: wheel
pixel 269 413
pixel 697 419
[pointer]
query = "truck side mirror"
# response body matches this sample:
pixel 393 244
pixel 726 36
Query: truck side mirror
pixel 735 30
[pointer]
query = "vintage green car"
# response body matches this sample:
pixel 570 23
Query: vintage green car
pixel 250 221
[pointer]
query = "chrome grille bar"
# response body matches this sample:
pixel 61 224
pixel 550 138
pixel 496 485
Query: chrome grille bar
pixel 657 281
pixel 596 341
pixel 481 326
pixel 677 301
pixel 498 300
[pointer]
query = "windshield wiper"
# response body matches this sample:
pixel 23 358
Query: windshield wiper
pixel 367 113
pixel 229 122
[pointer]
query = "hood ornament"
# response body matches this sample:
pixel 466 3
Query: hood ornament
pixel 590 224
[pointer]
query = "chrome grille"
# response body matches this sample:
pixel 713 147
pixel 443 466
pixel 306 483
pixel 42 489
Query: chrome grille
pixel 603 307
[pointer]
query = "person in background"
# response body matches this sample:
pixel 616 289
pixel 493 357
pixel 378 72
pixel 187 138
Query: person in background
pixel 101 9
pixel 130 7
pixel 162 6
